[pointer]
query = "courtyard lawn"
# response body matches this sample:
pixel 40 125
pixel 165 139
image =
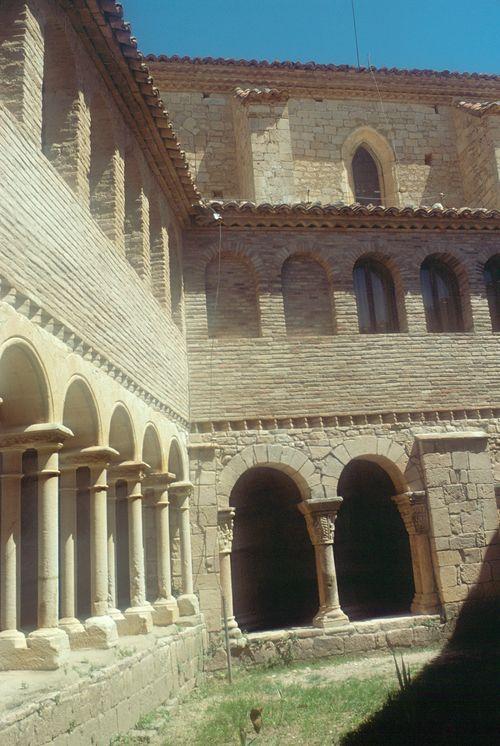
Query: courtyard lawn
pixel 311 704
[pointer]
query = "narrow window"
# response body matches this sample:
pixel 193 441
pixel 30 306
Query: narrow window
pixel 492 282
pixel 375 298
pixel 366 178
pixel 441 296
pixel 307 297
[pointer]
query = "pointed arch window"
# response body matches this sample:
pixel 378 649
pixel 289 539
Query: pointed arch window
pixel 365 174
pixel 375 298
pixel 492 282
pixel 441 294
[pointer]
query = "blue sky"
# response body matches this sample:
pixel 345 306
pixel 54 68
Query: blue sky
pixel 438 34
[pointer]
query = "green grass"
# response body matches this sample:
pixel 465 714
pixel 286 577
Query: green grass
pixel 292 713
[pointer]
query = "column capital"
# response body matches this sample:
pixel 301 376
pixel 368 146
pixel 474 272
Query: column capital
pixel 44 436
pixel 130 470
pixel 158 483
pixel 91 456
pixel 413 509
pixel 181 492
pixel 320 518
pixel 225 530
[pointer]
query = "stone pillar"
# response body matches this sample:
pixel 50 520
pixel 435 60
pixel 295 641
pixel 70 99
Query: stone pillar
pixel 187 602
pixel 165 606
pixel 225 541
pixel 320 518
pixel 10 544
pixel 139 615
pixel 48 638
pixel 413 509
pixel 67 489
pixel 111 548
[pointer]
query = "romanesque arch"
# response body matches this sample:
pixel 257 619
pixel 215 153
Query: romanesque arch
pixel 24 387
pixel 291 461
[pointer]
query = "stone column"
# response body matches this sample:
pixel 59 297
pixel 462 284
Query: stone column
pixel 140 613
pixel 187 602
pixel 320 518
pixel 10 543
pixel 67 489
pixel 225 540
pixel 111 549
pixel 412 507
pixel 48 638
pixel 165 606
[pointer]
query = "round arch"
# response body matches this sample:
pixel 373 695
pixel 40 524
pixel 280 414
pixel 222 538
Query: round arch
pixel 373 555
pixel 152 453
pixel 175 460
pixel 384 157
pixel 121 433
pixel 291 461
pixel 403 469
pixel 81 414
pixel 24 386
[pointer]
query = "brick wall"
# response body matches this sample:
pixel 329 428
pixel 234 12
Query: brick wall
pixel 231 298
pixel 279 375
pixel 54 252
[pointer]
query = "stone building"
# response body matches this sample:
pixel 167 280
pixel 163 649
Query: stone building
pixel 283 391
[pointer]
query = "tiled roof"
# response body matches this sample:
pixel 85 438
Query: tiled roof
pixel 318 215
pixel 260 95
pixel 288 65
pixel 479 108
pixel 101 23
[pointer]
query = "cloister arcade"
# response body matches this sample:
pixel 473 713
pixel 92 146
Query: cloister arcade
pixel 361 553
pixel 93 493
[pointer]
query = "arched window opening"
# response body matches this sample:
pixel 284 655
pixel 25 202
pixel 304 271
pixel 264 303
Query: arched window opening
pixel 175 462
pixel 231 297
pixel 375 298
pixel 441 295
pixel 492 282
pixel 307 297
pixel 135 227
pixel 158 247
pixel 272 561
pixel 365 174
pixel 372 549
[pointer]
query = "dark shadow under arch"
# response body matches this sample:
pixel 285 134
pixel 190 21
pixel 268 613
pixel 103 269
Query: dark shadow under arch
pixel 273 569
pixel 372 549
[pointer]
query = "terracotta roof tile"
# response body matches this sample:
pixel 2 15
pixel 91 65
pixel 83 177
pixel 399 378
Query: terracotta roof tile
pixel 479 108
pixel 260 95
pixel 318 215
pixel 289 65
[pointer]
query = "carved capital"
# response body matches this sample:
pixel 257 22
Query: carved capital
pixel 413 510
pixel 225 530
pixel 320 518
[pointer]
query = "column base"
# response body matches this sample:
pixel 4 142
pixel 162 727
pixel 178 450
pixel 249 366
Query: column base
pixel 75 631
pixel 425 603
pixel 49 648
pixel 13 650
pixel 327 618
pixel 139 619
pixel 101 632
pixel 234 631
pixel 165 612
pixel 119 620
pixel 188 605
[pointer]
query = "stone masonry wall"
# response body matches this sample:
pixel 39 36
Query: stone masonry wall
pixel 308 135
pixel 95 710
pixel 478 143
pixel 278 375
pixel 212 452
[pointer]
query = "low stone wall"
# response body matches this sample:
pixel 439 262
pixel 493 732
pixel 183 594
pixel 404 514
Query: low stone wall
pixel 111 700
pixel 310 643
